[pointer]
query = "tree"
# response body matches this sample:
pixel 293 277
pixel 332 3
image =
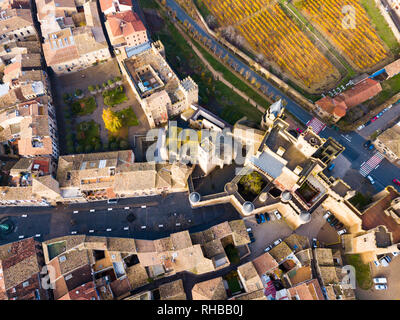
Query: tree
pixel 111 120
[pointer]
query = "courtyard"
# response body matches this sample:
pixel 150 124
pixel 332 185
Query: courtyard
pixel 81 97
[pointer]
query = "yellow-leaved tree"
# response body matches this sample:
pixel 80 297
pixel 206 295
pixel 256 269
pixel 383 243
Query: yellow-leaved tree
pixel 111 120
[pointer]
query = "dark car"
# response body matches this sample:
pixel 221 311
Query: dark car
pixel 334 222
pixel 314 243
pixel 251 235
pixel 267 216
pixel 330 218
pixel 396 182
pixel 262 218
pixel 258 218
pixel 367 143
pixel 339 226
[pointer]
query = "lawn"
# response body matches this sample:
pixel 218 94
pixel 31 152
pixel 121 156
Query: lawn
pixel 363 272
pixel 381 26
pixel 234 285
pixel 88 136
pixel 114 96
pixel 214 95
pixel 129 118
pixel 232 78
pixel 83 106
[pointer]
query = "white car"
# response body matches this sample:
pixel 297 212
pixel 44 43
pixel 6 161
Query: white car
pixel 268 248
pixel 377 263
pixel 396 253
pixel 371 179
pixel 361 127
pixel 383 262
pixel 277 242
pixel 327 214
pixel 381 280
pixel 340 232
pixel 277 214
pixel 381 287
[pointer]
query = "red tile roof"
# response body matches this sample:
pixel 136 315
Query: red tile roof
pixel 125 23
pixel 86 291
pixel 375 216
pixel 360 93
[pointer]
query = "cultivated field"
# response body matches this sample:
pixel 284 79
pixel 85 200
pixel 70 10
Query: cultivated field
pixel 268 30
pixel 360 45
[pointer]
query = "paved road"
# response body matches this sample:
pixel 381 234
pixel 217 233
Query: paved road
pixel 161 216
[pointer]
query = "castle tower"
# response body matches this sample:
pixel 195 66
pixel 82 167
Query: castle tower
pixel 275 111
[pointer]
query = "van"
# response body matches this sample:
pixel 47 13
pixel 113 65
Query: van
pixel 381 280
pixel 371 179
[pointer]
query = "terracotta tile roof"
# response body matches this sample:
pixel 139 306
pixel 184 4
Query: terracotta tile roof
pixel 300 275
pixel 106 4
pixel 249 275
pixel 335 107
pixel 280 252
pixel 375 216
pixel 125 23
pixel 352 97
pixel 137 276
pixel 172 291
pixel 264 263
pixel 213 289
pixel 86 291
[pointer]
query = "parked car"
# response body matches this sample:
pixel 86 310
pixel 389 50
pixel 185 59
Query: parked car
pixel 343 231
pixel 367 143
pixel 267 216
pixel 371 179
pixel 396 182
pixel 112 201
pixel 376 263
pixel 330 218
pixel 381 280
pixel 314 243
pixel 334 222
pixel 395 254
pixel 277 214
pixel 330 168
pixel 277 242
pixel 327 215
pixel 251 235
pixel 380 114
pixel 384 261
pixel 258 218
pixel 299 130
pixel 339 226
pixel 262 218
pixel 381 287
pixel 361 127
pixel 268 248
pixel 371 147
